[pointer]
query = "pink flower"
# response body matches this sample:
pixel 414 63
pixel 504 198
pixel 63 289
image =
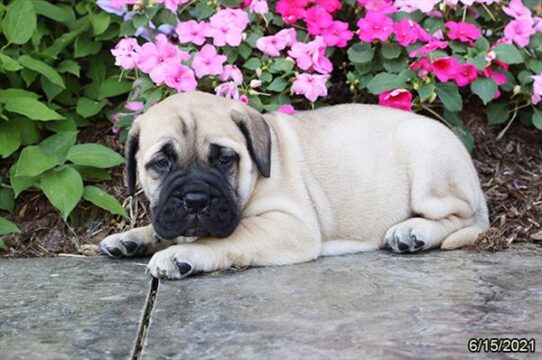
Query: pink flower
pixel 424 6
pixel 126 53
pixel 516 9
pixel 537 89
pixel 156 59
pixel 310 85
pixel 135 106
pixel 291 10
pixel 398 98
pixel 311 56
pixel 286 109
pixel 271 45
pixel 228 90
pixel 463 31
pixel 423 65
pixel 467 73
pixel 317 19
pixel 446 68
pixel 381 6
pixel 407 32
pixel 226 27
pixel 191 32
pixel 181 78
pixel 537 27
pixel 337 34
pixel 259 7
pixel 288 35
pixel 330 5
pixel 232 72
pixel 373 26
pixel 519 31
pixel 244 99
pixel 431 46
pixel 208 62
pixel 499 78
pixel 172 5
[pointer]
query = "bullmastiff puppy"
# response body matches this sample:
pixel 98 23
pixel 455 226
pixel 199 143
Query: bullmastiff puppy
pixel 230 186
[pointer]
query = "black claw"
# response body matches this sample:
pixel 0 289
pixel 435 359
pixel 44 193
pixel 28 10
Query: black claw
pixel 141 251
pixel 156 238
pixel 402 246
pixel 184 268
pixel 387 246
pixel 113 251
pixel 418 244
pixel 130 246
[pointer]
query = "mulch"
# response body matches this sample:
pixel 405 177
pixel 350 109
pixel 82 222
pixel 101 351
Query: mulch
pixel 510 171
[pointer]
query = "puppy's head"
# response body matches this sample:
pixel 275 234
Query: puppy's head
pixel 197 157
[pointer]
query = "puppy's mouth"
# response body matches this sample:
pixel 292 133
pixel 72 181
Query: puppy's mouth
pixel 195 204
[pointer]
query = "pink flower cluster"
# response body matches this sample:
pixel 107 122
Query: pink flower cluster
pixel 523 26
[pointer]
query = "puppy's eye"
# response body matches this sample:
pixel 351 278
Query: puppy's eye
pixel 225 160
pixel 160 166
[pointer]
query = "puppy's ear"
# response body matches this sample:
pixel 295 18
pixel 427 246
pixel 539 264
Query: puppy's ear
pixel 130 151
pixel 257 133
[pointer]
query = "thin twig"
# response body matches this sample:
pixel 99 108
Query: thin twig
pixel 501 134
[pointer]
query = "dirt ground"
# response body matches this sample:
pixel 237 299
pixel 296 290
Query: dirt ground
pixel 510 170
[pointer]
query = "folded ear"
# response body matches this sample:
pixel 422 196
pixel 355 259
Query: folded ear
pixel 258 136
pixel 130 151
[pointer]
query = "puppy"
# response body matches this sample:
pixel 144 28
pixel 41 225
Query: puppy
pixel 230 186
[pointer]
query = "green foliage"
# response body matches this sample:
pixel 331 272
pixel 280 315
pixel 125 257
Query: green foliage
pixel 56 77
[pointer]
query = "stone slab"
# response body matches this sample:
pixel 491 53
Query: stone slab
pixel 70 308
pixel 371 305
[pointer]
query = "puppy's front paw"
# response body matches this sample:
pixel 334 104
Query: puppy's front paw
pixel 165 265
pixel 403 238
pixel 122 245
pixel 179 261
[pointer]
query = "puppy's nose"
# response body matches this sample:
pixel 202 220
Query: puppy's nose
pixel 196 201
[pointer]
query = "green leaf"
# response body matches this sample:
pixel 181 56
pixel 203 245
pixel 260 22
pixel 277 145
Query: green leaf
pixel 20 22
pixel 86 45
pixel 20 183
pixel 277 85
pixel 9 64
pixel 459 128
pixel 252 63
pixel 448 93
pixel 50 89
pixel 7 227
pixel 508 53
pixel 42 68
pixel 390 50
pixel 7 200
pixel 103 200
pixel 100 22
pixel 58 145
pixel 384 82
pixel 10 138
pixel 94 155
pixel 69 66
pixel 90 173
pixel 482 45
pixel 497 113
pixel 485 89
pixel 203 10
pixel 7 94
pixel 53 12
pixel 113 87
pixel 63 188
pixel 537 118
pixel 360 53
pixel 87 107
pixel 426 91
pixel 33 161
pixel 281 65
pixel 32 109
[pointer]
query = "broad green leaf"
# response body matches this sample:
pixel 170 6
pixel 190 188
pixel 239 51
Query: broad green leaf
pixel 497 113
pixel 252 63
pixel 58 145
pixel 50 89
pixel 103 200
pixel 89 173
pixel 30 133
pixel 64 188
pixel 10 138
pixel 278 85
pixel 203 10
pixel 390 50
pixel 7 227
pixel 94 155
pixel 281 65
pixel 384 82
pixel 360 53
pixel 426 91
pixel 20 22
pixel 112 87
pixel 508 53
pixel 7 199
pixel 57 13
pixel 42 68
pixel 7 94
pixel 9 64
pixel 537 118
pixel 85 46
pixel 32 108
pixel 87 107
pixel 485 89
pixel 33 161
pixel 448 93
pixel 69 66
pixel 482 45
pixel 100 22
pixel 20 183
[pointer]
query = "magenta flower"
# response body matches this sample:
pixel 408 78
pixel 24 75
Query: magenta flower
pixel 317 19
pixel 463 31
pixel 288 35
pixel 259 7
pixel 516 9
pixel 228 90
pixel 172 5
pixel 423 65
pixel 226 27
pixel 424 6
pixel 331 6
pixel 381 6
pixel 397 98
pixel 135 106
pixel 291 10
pixel 337 34
pixel 155 59
pixel 181 78
pixel 499 78
pixel 466 74
pixel 286 109
pixel 191 31
pixel 520 31
pixel 407 32
pixel 126 53
pixel 446 68
pixel 428 48
pixel 208 62
pixel 232 72
pixel 310 85
pixel 373 26
pixel 537 89
pixel 311 56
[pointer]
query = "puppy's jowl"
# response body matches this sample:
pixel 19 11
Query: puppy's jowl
pixel 230 186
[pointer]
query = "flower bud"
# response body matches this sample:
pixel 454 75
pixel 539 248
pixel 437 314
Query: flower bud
pixel 517 89
pixel 255 83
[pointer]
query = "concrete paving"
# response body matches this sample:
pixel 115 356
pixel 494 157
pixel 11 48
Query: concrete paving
pixel 372 305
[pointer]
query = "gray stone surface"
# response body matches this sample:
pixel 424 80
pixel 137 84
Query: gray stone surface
pixel 368 305
pixel 70 308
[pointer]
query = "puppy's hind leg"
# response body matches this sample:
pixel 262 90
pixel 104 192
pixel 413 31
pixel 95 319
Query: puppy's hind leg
pixel 136 242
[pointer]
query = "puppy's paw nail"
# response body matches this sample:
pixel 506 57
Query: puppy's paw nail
pixel 402 246
pixel 111 251
pixel 141 250
pixel 156 238
pixel 418 244
pixel 129 245
pixel 184 268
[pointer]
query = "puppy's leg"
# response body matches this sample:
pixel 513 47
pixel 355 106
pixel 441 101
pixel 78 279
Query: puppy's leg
pixel 137 242
pixel 269 239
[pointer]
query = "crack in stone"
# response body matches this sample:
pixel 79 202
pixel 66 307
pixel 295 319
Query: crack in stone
pixel 145 320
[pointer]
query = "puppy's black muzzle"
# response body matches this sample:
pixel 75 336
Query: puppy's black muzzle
pixel 199 203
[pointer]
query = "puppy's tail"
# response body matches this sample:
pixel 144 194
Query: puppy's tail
pixel 468 235
pixel 343 247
